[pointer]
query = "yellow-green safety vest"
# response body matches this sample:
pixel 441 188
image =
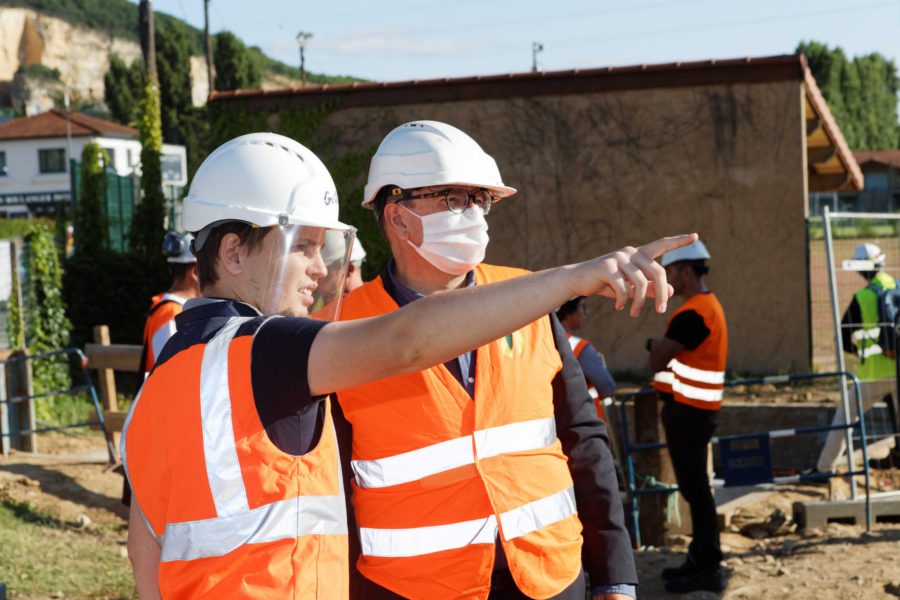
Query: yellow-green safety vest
pixel 873 362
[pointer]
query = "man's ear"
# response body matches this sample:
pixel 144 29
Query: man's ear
pixel 395 220
pixel 231 254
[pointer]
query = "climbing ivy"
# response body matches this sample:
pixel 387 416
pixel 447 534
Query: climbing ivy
pixel 46 325
pixel 147 224
pixel 91 222
pixel 348 168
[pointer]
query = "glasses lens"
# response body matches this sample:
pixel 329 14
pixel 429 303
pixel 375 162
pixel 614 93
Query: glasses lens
pixel 457 200
pixel 483 199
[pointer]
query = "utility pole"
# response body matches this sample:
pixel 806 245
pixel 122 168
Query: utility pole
pixel 210 65
pixel 148 39
pixel 536 48
pixel 302 38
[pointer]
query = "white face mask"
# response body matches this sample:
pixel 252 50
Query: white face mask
pixel 453 243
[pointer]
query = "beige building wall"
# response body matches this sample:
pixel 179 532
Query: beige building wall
pixel 597 171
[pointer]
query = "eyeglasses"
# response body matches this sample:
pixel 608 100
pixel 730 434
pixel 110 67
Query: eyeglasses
pixel 457 200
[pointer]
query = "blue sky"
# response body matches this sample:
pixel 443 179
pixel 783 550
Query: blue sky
pixel 391 40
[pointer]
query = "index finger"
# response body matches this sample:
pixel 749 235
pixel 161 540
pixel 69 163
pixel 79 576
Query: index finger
pixel 657 248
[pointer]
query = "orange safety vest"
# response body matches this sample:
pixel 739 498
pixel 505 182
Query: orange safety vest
pixel 235 516
pixel 578 345
pixel 697 377
pixel 439 474
pixel 160 325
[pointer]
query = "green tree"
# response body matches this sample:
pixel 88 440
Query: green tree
pixel 147 224
pixel 122 89
pixel 235 67
pixel 91 221
pixel 861 93
pixel 173 61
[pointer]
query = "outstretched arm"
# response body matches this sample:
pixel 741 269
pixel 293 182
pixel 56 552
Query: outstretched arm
pixel 434 329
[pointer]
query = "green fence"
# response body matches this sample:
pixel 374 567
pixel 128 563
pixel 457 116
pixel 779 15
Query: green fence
pixel 121 195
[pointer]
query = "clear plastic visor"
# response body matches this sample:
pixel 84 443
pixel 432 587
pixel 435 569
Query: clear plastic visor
pixel 302 271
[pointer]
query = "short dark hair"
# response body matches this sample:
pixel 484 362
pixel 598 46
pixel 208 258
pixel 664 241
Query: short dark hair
pixel 569 307
pixel 208 255
pixel 381 200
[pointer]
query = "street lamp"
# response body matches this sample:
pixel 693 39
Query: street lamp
pixel 302 38
pixel 536 48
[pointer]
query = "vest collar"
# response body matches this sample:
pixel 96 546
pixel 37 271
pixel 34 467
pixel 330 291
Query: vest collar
pixel 197 309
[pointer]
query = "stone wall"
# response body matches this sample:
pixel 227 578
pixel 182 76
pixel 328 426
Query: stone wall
pixel 597 171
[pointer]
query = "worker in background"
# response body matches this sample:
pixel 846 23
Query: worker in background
pixel 354 275
pixel 160 324
pixel 861 328
pixel 437 519
pixel 600 382
pixel 230 446
pixel 689 366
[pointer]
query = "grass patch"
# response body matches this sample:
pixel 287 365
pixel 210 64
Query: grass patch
pixel 41 556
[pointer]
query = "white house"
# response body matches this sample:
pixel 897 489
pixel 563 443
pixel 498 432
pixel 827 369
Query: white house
pixel 34 153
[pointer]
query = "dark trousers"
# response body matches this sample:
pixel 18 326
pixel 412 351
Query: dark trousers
pixel 502 588
pixel 688 431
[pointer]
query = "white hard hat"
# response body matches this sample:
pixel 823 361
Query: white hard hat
pixel 358 253
pixel 869 251
pixel 176 248
pixel 427 153
pixel 696 251
pixel 264 179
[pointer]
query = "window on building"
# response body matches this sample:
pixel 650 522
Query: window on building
pixel 52 160
pixel 172 167
pixel 2 164
pixel 112 158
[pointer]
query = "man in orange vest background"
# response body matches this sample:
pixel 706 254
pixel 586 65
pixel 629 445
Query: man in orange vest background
pixel 230 447
pixel 600 382
pixel 491 474
pixel 164 307
pixel 689 366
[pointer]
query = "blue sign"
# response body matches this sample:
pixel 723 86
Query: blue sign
pixel 747 460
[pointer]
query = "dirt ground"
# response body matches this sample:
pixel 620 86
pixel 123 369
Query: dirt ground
pixel 765 556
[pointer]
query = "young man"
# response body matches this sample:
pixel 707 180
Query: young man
pixel 164 307
pixel 600 382
pixel 689 362
pixel 468 474
pixel 230 447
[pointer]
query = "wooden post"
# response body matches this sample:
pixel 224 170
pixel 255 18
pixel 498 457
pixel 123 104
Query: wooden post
pixel 21 414
pixel 106 377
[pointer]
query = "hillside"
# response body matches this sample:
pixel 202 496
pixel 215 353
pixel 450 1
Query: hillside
pixel 118 18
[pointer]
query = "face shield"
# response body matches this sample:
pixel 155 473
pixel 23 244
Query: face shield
pixel 301 270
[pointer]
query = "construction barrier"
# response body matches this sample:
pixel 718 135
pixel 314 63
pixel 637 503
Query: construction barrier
pixel 17 409
pixel 746 457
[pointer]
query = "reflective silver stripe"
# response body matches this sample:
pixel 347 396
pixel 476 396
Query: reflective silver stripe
pixel 422 462
pixel 866 334
pixel 695 393
pixel 416 541
pixel 286 519
pixel 538 514
pixel 694 374
pixel 219 450
pixel 666 377
pixel 868 351
pixel 594 393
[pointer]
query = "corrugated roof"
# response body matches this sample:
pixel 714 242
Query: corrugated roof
pixel 53 124
pixel 888 158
